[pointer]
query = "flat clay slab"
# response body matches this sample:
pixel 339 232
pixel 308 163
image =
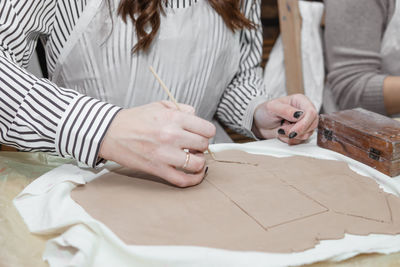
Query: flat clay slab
pixel 271 205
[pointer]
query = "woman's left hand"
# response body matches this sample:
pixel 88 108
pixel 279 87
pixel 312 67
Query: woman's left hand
pixel 292 119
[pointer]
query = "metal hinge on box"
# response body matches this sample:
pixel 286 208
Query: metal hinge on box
pixel 374 154
pixel 328 134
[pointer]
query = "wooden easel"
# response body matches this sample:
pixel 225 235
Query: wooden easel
pixel 290 25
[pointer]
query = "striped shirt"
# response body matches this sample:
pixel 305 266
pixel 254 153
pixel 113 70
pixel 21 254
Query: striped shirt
pixel 38 115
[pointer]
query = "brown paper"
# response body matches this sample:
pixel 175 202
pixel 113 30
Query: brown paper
pixel 275 205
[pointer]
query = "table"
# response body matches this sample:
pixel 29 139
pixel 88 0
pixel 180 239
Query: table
pixel 17 169
pixel 21 248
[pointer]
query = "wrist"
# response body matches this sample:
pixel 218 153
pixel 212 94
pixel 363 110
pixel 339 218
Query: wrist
pixel 82 129
pixel 107 142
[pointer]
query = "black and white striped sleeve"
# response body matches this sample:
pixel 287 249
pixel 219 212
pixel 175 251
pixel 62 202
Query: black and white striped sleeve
pixel 35 114
pixel 246 91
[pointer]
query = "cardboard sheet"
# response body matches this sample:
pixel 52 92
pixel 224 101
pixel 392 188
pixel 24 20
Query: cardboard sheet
pixel 275 205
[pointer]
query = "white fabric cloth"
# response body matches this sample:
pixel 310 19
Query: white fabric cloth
pixel 311 54
pixel 87 242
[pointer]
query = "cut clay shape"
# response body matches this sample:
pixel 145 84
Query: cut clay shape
pixel 271 205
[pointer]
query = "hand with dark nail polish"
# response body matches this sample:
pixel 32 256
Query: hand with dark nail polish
pixel 292 135
pixel 298 114
pixel 277 118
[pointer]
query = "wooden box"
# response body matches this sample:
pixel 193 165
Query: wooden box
pixel 363 135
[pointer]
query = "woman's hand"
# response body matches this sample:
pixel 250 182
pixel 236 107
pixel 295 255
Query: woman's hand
pixel 151 138
pixel 291 118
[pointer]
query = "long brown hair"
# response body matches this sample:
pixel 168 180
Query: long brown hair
pixel 147 12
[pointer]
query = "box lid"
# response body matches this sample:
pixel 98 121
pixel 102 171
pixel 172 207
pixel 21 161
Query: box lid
pixel 376 134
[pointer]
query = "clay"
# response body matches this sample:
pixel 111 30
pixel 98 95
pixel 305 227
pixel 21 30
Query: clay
pixel 271 205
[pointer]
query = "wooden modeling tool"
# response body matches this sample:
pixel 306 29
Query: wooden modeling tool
pixel 177 106
pixel 173 100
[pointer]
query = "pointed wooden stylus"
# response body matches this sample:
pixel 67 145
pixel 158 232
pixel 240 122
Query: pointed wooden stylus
pixel 173 100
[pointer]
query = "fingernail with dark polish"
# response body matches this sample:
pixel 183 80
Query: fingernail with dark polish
pixel 282 121
pixel 281 131
pixel 297 114
pixel 292 135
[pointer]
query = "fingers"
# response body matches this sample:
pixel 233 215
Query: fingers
pixel 187 119
pixel 309 121
pixel 197 125
pixel 189 162
pixel 306 124
pixel 187 109
pixel 285 110
pixel 193 142
pixel 295 133
pixel 175 176
pixel 182 179
pixel 151 139
pixel 300 118
pixel 168 164
pixel 172 171
pixel 290 141
pixel 176 135
pixel 288 134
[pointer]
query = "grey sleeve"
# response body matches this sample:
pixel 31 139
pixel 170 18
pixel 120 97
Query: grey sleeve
pixel 353 34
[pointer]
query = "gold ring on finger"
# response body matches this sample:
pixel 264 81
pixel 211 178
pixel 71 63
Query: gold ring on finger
pixel 186 160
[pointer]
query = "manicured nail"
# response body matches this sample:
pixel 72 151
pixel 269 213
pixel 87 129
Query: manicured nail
pixel 297 114
pixel 282 121
pixel 281 131
pixel 292 135
pixel 205 172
